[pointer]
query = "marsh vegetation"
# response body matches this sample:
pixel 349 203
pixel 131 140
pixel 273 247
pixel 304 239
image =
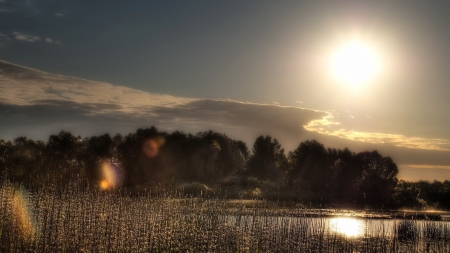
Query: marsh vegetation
pixel 152 191
pixel 79 219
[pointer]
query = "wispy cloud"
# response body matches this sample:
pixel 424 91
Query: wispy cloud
pixel 24 86
pixel 328 126
pixel 52 41
pixel 428 172
pixel 5 9
pixel 428 166
pixel 4 40
pixel 85 105
pixel 25 37
pixel 28 88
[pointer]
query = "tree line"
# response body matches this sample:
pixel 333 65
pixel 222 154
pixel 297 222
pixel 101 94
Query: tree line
pixel 211 161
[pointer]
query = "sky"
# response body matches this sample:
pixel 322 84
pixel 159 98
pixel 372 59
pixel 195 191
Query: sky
pixel 244 68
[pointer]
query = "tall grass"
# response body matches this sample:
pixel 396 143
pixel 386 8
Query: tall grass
pixel 79 219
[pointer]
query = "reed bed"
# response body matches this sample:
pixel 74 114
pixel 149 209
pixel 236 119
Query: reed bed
pixel 87 220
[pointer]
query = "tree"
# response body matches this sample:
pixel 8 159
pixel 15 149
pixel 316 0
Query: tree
pixel 378 177
pixel 267 160
pixel 22 157
pixel 228 155
pixel 310 165
pixel 138 169
pixel 345 174
pixel 406 194
pixel 100 147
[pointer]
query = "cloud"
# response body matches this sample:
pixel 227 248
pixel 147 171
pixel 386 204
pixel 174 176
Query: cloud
pixel 29 87
pixel 25 86
pixel 428 166
pixel 24 37
pixel 27 92
pixel 429 172
pixel 51 41
pixel 36 104
pixel 5 10
pixel 4 40
pixel 328 126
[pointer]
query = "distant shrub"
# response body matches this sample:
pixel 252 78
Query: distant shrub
pixel 195 189
pixel 240 181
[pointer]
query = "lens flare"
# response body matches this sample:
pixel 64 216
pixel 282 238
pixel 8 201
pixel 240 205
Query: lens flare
pixel 347 226
pixel 111 176
pixel 150 147
pixel 104 185
pixel 23 215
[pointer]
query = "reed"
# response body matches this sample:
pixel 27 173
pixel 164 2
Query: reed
pixel 79 219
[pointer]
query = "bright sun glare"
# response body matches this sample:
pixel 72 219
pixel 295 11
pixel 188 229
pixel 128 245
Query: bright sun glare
pixel 347 226
pixel 355 64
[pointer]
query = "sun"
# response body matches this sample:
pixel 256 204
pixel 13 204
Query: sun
pixel 355 63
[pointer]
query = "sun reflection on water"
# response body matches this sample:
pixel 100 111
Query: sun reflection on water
pixel 349 227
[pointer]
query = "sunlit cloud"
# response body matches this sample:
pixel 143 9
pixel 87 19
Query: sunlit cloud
pixel 429 166
pixel 428 172
pixel 328 126
pixel 104 107
pixel 52 41
pixel 24 86
pixel 25 37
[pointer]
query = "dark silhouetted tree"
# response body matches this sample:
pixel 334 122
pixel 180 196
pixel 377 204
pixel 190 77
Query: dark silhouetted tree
pixel 345 174
pixel 267 160
pixel 310 167
pixel 378 177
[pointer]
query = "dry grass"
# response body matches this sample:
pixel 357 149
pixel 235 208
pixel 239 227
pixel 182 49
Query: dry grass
pixel 83 220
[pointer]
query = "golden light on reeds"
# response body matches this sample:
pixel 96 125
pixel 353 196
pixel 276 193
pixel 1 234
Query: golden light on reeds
pixel 349 227
pixel 23 214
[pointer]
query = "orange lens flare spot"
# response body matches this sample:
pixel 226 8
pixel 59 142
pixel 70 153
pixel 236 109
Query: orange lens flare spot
pixel 104 185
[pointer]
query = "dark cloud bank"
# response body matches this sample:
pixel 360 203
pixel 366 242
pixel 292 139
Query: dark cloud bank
pixel 36 104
